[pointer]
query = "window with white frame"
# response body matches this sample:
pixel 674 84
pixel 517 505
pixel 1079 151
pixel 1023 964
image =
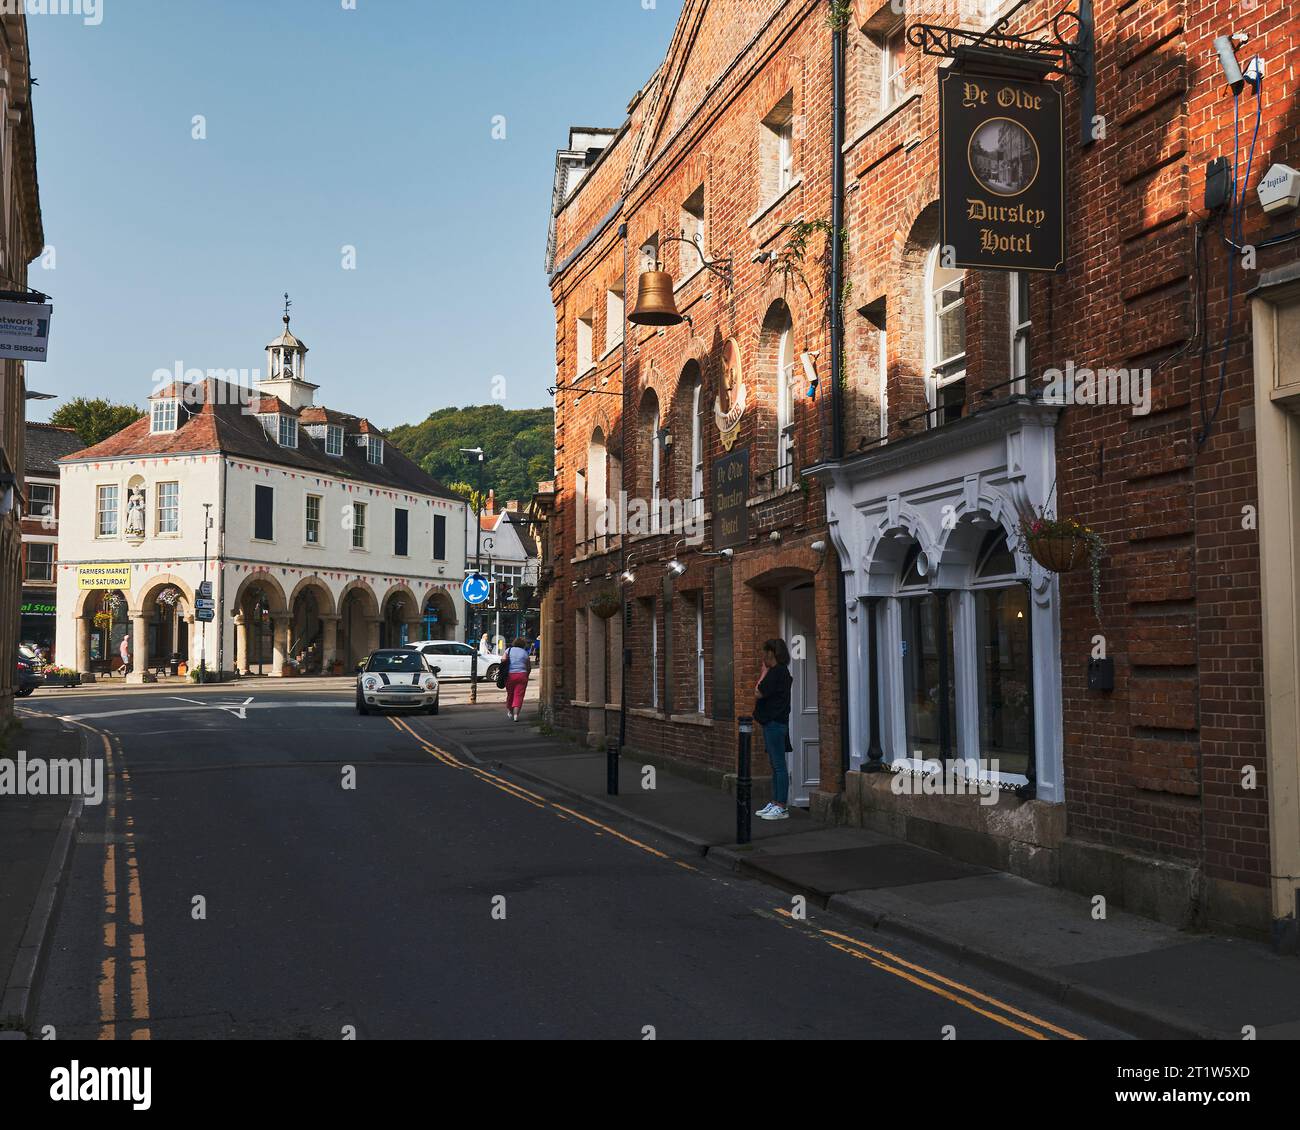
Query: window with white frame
pixel 945 339
pixel 1003 660
pixel 649 254
pixel 893 49
pixel 785 417
pixel 614 309
pixel 656 466
pixel 358 525
pixel 697 449
pixel 312 519
pixel 692 258
pixel 162 415
pixel 699 653
pixel 586 334
pixel 334 440
pixel 374 449
pixel 778 149
pixel 169 508
pixel 40 561
pixel 40 500
pixel 106 511
pixel 288 430
pixel 1018 319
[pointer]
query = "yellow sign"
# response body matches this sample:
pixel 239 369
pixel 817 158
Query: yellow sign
pixel 103 576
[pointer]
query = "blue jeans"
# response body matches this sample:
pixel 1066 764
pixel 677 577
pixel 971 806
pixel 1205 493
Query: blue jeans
pixel 775 735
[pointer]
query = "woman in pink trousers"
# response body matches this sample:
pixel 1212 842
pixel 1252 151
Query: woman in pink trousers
pixel 517 672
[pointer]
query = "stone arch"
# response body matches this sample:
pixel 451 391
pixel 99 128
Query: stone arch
pixel 359 615
pixel 438 603
pixel 959 542
pixel 324 596
pixel 888 545
pixel 270 585
pixel 149 589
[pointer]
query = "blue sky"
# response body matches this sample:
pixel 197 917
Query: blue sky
pixel 326 128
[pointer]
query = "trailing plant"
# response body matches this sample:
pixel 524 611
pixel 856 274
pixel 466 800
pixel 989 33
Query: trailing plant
pixel 607 603
pixel 837 19
pixel 1036 533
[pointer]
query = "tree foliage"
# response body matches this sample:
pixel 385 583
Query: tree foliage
pixel 518 444
pixel 94 420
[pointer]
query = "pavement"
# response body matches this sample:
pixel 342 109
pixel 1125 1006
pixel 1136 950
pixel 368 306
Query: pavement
pixel 35 840
pixel 1150 979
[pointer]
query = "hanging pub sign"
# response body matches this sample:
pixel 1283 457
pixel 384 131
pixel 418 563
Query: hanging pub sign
pixel 1003 171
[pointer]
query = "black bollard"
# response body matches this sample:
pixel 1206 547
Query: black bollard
pixel 611 767
pixel 744 780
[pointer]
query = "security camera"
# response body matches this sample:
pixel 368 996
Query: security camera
pixel 726 553
pixel 1228 61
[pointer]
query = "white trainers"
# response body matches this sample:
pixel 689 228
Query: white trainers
pixel 764 810
pixel 775 812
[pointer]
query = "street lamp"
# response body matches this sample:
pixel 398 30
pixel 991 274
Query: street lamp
pixel 477 454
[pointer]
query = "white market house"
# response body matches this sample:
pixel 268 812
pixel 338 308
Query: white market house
pixel 324 543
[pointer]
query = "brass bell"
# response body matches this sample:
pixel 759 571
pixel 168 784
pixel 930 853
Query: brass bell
pixel 655 305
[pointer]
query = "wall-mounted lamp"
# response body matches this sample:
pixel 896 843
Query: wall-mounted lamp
pixel 7 493
pixel 676 568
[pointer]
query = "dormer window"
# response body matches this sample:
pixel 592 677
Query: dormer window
pixel 374 449
pixel 162 417
pixel 288 431
pixel 334 440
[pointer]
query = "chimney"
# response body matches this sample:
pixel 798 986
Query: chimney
pixel 492 500
pixel 513 506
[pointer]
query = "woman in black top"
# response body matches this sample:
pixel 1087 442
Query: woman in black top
pixel 772 712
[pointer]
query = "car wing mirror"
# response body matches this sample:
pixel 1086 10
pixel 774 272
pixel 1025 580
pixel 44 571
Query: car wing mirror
pixel 437 670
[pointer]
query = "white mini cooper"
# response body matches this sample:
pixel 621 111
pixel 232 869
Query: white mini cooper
pixel 399 678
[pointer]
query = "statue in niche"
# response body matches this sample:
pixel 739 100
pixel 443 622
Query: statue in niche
pixel 135 512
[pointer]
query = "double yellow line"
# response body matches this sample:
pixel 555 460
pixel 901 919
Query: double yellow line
pixel 1026 1023
pixel 135 958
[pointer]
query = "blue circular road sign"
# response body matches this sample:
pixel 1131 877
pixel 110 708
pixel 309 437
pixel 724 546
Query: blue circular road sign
pixel 475 589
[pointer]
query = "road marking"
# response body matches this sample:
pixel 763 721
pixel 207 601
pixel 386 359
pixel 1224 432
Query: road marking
pixel 187 709
pixel 891 963
pixel 239 710
pixel 606 828
pixel 138 983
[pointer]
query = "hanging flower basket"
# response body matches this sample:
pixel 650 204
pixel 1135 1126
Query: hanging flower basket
pixel 1058 553
pixel 1062 545
pixel 606 604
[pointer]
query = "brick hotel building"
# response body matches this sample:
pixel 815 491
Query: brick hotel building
pixel 882 530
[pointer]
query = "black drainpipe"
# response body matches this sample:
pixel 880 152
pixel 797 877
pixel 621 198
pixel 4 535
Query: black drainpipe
pixel 838 47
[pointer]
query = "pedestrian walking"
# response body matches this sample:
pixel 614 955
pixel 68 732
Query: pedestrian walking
pixel 772 712
pixel 125 652
pixel 517 671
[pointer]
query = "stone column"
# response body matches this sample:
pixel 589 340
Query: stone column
pixel 329 643
pixel 139 649
pixel 241 643
pixel 279 642
pixel 83 647
pixel 372 632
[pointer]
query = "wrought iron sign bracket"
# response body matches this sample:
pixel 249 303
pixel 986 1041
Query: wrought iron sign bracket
pixel 998 46
pixel 720 267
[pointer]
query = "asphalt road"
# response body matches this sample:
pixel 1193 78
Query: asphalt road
pixel 289 869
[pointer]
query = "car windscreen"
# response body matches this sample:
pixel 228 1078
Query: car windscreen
pixel 395 661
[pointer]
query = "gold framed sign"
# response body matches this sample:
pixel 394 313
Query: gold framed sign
pixel 729 405
pixel 1003 172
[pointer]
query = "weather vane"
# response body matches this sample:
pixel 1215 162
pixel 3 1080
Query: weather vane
pixel 287 305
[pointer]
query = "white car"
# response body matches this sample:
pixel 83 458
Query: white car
pixel 453 659
pixel 397 677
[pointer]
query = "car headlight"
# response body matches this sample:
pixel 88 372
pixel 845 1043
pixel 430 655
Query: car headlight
pixel 429 683
pixel 371 683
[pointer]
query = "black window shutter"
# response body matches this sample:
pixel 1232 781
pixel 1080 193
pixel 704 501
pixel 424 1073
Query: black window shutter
pixel 439 538
pixel 400 532
pixel 264 513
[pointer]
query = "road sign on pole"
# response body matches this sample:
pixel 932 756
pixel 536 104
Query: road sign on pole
pixel 476 588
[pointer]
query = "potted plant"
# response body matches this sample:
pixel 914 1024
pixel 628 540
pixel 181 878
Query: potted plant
pixel 1061 545
pixel 62 676
pixel 607 603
